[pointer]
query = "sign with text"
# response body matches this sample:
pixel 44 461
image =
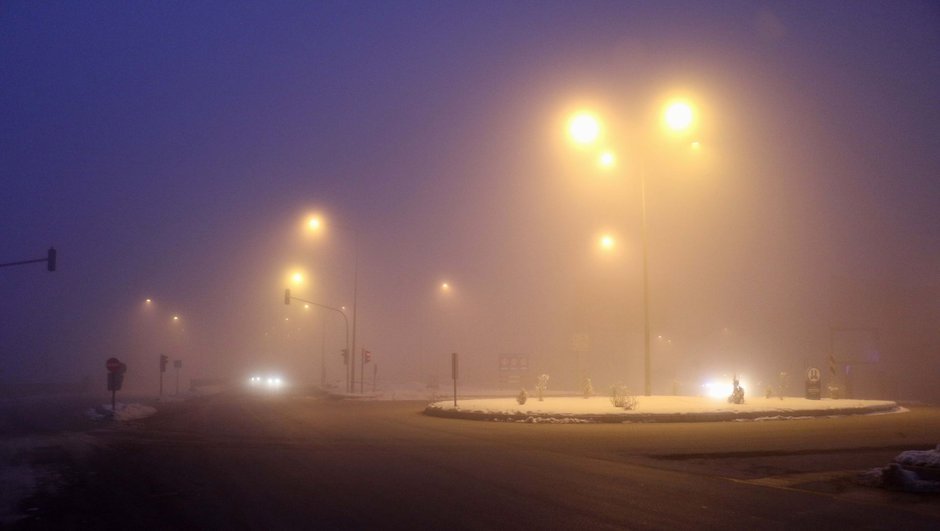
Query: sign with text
pixel 513 368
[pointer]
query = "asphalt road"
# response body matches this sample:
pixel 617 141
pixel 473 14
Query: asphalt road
pixel 238 461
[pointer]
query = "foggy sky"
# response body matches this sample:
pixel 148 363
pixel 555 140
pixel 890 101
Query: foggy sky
pixel 172 150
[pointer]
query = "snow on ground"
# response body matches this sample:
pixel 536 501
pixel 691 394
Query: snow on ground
pixel 922 458
pixel 915 471
pixel 601 405
pixel 121 412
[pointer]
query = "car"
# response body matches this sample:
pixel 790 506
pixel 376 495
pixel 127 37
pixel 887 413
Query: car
pixel 266 382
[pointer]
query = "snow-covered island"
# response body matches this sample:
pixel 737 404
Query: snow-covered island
pixel 652 409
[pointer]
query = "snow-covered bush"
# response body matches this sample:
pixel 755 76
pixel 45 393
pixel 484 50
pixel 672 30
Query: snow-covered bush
pixel 541 385
pixel 737 394
pixel 522 397
pixel 587 388
pixel 620 396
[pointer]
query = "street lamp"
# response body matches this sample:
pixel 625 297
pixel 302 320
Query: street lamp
pixel 316 224
pixel 584 129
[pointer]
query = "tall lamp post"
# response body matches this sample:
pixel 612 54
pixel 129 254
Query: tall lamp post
pixel 585 129
pixel 315 224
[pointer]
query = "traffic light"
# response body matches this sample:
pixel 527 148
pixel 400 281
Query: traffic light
pixel 287 296
pixel 163 361
pixel 345 354
pixel 50 259
pixel 366 356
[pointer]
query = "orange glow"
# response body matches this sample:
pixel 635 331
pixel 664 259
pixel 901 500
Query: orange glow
pixel 607 159
pixel 678 116
pixel 584 128
pixel 607 242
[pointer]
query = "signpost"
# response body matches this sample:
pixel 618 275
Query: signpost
pixel 116 371
pixel 813 384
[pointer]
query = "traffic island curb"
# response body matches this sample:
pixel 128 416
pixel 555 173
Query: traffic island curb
pixel 434 410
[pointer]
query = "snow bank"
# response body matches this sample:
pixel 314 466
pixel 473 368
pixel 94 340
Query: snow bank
pixel 121 412
pixel 921 458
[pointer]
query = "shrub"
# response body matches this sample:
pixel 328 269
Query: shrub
pixel 621 397
pixel 522 397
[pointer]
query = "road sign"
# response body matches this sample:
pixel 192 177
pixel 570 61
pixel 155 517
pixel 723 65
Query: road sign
pixel 812 374
pixel 113 364
pixel 115 380
pixel 813 391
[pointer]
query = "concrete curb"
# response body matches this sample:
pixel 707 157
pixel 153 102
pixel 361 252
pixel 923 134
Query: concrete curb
pixel 712 416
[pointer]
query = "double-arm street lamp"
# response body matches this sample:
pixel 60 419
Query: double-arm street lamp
pixel 585 129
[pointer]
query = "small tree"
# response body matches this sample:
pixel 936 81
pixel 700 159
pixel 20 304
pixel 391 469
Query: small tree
pixel 522 397
pixel 737 393
pixel 587 388
pixel 541 385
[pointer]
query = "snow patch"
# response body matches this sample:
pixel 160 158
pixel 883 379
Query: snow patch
pixel 924 458
pixel 121 412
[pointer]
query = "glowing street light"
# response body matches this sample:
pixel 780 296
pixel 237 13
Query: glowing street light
pixel 584 129
pixel 678 116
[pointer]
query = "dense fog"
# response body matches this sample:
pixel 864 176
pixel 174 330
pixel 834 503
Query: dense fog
pixel 177 153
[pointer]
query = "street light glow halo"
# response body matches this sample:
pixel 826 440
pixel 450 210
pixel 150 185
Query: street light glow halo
pixel 584 128
pixel 678 115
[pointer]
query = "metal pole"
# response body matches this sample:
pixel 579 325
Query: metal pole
pixel 345 321
pixel 453 370
pixel 352 353
pixel 323 351
pixel 646 288
pixel 375 372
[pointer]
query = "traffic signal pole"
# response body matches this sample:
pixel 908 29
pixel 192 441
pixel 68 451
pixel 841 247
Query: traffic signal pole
pixel 50 260
pixel 350 385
